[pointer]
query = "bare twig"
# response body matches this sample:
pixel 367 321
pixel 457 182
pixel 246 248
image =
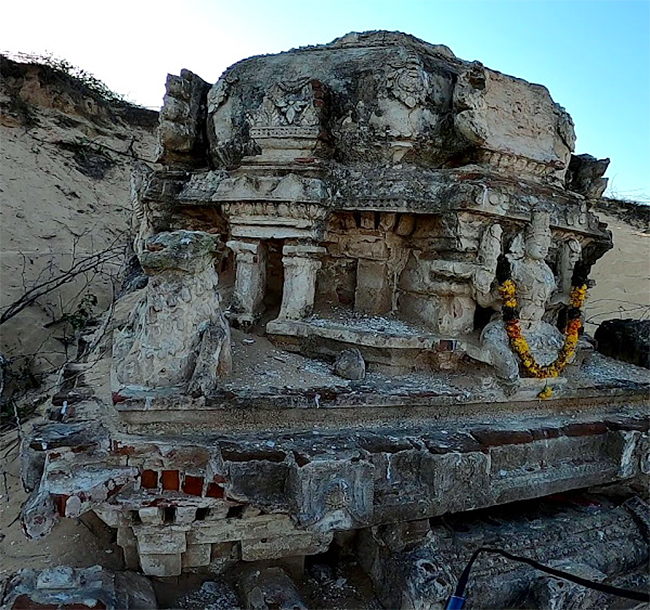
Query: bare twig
pixel 78 267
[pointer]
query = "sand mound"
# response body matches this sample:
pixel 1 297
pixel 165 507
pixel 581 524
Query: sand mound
pixel 66 158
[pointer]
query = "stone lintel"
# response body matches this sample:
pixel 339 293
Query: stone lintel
pixel 302 251
pixel 274 232
pixel 272 221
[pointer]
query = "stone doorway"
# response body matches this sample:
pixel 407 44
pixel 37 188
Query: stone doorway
pixel 274 272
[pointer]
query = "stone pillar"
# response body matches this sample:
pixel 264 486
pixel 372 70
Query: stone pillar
pixel 301 264
pixel 250 279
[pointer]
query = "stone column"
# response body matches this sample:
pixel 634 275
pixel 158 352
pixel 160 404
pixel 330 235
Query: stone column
pixel 301 264
pixel 250 279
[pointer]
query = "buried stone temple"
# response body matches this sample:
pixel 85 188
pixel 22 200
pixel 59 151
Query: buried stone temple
pixel 366 265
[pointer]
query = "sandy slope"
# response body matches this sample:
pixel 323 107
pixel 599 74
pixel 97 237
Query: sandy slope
pixel 52 209
pixel 622 276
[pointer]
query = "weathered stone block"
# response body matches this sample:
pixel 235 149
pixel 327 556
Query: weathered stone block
pixel 160 541
pixel 161 565
pixel 226 530
pixel 333 495
pixel 259 482
pixel 196 555
pixel 269 588
pixel 216 512
pixel 151 515
pixel 66 587
pixel 460 481
pixel 185 514
pixel 285 546
pixel 373 294
pixel 350 365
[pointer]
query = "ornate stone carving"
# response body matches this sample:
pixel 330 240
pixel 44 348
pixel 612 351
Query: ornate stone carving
pixel 177 335
pixel 301 264
pixel 241 209
pixel 250 279
pixel 484 275
pixel 290 189
pixel 570 252
pixel 289 103
pixel 287 125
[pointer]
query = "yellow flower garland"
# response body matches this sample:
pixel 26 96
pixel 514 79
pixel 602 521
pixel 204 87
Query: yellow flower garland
pixel 520 346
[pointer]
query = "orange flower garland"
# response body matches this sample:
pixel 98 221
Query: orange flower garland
pixel 520 346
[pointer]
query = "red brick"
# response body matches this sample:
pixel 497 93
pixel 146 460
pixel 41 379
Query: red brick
pixel 59 502
pixel 631 423
pixel 214 491
pixel 544 433
pixel 585 429
pixel 193 485
pixel 117 398
pixel 122 449
pixel 171 480
pixel 149 479
pixel 490 438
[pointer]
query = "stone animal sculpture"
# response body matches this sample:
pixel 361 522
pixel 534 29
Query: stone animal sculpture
pixel 177 335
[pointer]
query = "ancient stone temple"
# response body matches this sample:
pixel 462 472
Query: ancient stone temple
pixel 366 263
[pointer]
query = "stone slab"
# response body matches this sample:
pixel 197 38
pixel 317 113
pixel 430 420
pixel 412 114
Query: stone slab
pixel 196 555
pixel 228 530
pixel 289 545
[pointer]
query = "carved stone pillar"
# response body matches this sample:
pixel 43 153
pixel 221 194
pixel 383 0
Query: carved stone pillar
pixel 250 279
pixel 301 264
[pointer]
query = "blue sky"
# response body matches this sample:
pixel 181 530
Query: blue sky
pixel 594 56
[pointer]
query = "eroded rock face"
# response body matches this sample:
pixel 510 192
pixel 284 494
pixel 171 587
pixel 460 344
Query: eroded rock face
pixel 177 335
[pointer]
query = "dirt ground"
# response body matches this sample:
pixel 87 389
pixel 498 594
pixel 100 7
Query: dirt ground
pixel 78 542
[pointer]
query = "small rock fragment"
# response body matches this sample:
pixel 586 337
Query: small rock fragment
pixel 350 365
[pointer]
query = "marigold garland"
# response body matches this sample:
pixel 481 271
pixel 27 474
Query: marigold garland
pixel 508 293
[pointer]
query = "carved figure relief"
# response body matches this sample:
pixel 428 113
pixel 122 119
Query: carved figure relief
pixel 409 83
pixel 403 112
pixel 535 283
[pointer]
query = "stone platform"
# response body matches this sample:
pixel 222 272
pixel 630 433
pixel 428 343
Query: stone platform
pixel 258 473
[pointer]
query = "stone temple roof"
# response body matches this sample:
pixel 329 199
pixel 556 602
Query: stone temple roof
pixel 382 98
